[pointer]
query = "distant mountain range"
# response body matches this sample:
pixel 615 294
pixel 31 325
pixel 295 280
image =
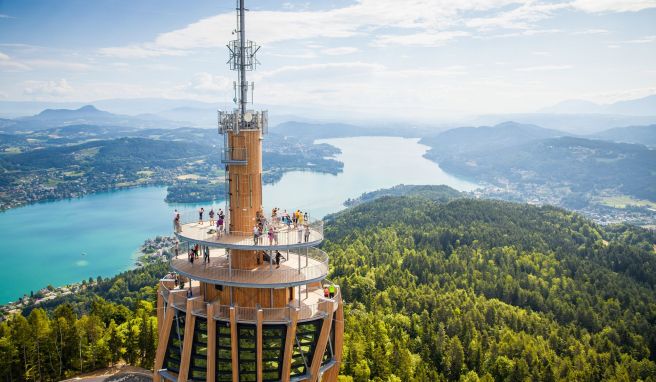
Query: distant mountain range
pixel 85 115
pixel 645 106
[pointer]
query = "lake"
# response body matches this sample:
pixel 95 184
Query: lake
pixel 66 241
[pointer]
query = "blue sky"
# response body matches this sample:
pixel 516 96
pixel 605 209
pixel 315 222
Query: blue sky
pixel 376 58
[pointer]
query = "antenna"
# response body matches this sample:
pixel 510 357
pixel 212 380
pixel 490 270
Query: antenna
pixel 242 58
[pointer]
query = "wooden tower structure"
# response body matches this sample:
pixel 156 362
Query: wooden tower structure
pixel 249 302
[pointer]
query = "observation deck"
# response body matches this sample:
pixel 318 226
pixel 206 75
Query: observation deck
pixel 287 237
pixel 299 267
pixel 307 308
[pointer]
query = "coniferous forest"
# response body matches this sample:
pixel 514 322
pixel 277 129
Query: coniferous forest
pixel 462 290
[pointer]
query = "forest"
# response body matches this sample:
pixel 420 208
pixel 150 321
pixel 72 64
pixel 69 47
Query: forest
pixel 459 290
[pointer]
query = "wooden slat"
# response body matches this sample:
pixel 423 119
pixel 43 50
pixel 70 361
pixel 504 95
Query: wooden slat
pixel 187 343
pixel 331 374
pixel 211 344
pixel 234 345
pixel 327 308
pixel 289 345
pixel 258 339
pixel 164 334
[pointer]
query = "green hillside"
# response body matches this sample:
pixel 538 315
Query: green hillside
pixel 462 290
pixel 496 290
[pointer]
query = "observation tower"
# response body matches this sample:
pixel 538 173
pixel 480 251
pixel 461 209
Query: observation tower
pixel 241 316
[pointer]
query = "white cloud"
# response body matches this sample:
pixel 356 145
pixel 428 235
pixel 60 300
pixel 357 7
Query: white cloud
pixel 593 31
pixel 10 64
pixel 47 88
pixel 3 16
pixel 419 39
pixel 206 83
pixel 338 51
pixel 607 6
pixel 543 68
pixel 140 51
pixel 642 40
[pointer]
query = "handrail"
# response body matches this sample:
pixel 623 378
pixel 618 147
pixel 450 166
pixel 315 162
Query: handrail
pixel 313 265
pixel 234 154
pixel 282 236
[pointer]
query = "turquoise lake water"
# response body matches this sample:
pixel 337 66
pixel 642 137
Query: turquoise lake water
pixel 67 241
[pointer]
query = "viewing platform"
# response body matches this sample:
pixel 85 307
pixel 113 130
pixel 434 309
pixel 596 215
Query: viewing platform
pixel 285 237
pixel 308 307
pixel 298 267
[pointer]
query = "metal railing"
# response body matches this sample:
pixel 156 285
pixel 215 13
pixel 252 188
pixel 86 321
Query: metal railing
pixel 299 267
pixel 282 234
pixel 306 312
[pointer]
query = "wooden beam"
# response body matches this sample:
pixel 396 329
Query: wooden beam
pixel 188 342
pixel 327 308
pixel 234 345
pixel 164 335
pixel 258 343
pixel 160 308
pixel 211 344
pixel 290 339
pixel 331 374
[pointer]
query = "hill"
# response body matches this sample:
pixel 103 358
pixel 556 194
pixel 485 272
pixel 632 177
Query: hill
pixel 644 135
pixel 85 115
pixel 463 290
pixel 485 289
pixel 645 106
pixel 471 139
pixel 440 193
pixel 580 165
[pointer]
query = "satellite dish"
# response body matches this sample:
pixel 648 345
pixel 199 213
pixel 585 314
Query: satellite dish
pixel 248 117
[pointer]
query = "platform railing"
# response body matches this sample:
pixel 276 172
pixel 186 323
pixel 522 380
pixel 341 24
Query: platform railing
pixel 299 266
pixel 269 315
pixel 283 234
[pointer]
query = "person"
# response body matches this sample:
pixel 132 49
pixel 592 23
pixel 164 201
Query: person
pixel 278 256
pixel 256 234
pixel 191 256
pixel 275 235
pixel 270 235
pixel 219 226
pixel 221 215
pixel 326 293
pixel 331 290
pixel 176 221
pixel 200 215
pixel 300 233
pixel 307 233
pixel 300 218
pixel 211 216
pixel 196 250
pixel 206 255
pixel 305 217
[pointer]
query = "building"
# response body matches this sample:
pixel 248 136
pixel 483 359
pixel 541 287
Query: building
pixel 242 315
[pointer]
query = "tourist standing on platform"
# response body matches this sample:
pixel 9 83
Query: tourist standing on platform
pixel 219 226
pixel 300 233
pixel 307 233
pixel 176 222
pixel 206 255
pixel 331 290
pixel 306 218
pixel 256 234
pixel 275 234
pixel 200 215
pixel 278 256
pixel 301 221
pixel 270 235
pixel 211 216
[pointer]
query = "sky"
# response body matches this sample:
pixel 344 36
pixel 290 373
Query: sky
pixel 376 58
